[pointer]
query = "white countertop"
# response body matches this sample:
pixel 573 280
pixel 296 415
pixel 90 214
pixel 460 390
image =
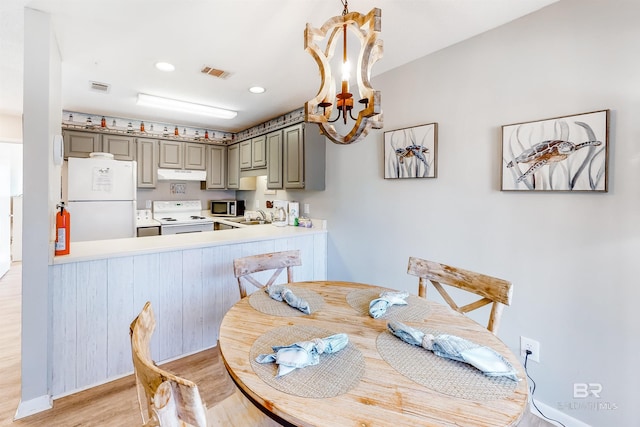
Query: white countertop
pixel 101 249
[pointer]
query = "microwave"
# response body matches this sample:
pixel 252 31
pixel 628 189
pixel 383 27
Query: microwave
pixel 227 207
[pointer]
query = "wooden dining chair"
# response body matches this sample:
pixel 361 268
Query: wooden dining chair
pixel 168 400
pixel 243 268
pixel 492 290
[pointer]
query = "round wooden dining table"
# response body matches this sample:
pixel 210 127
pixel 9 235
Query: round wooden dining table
pixel 377 380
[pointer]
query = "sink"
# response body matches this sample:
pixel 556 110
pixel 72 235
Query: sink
pixel 254 222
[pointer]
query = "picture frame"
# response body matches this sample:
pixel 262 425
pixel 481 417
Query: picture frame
pixel 567 153
pixel 411 152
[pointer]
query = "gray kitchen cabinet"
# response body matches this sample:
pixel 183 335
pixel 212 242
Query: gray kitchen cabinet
pixel 147 159
pixel 233 166
pixel 171 155
pixel 182 155
pixel 258 152
pixel 216 166
pixel 195 156
pixel 253 153
pixel 245 154
pixel 81 144
pixel 122 147
pixel 274 160
pixel 304 154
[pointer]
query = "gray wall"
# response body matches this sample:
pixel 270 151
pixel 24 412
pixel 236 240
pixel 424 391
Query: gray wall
pixel 42 118
pixel 572 257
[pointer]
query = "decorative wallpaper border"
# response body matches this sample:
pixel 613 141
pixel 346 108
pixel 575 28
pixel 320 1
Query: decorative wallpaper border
pixel 285 120
pixel 121 125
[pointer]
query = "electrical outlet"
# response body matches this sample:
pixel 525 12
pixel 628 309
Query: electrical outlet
pixel 533 346
pixel 178 188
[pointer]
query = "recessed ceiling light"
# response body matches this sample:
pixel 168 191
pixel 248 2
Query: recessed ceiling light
pixel 165 66
pixel 257 89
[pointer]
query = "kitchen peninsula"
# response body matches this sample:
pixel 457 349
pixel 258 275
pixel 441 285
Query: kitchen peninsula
pixel 101 285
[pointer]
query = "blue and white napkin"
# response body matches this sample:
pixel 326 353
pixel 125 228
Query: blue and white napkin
pixel 303 353
pixel 283 293
pixel 485 359
pixel 378 306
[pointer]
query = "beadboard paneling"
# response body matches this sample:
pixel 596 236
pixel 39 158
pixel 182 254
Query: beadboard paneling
pixel 192 323
pixel 63 289
pixel 168 307
pixel 91 318
pixel 94 303
pixel 146 286
pixel 120 308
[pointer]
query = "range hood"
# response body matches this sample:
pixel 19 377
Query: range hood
pixel 181 175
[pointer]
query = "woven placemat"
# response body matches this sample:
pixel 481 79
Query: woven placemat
pixel 443 375
pixel 336 373
pixel 262 302
pixel 416 310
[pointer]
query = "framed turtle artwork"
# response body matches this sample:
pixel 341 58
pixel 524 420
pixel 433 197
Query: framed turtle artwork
pixel 568 153
pixel 411 152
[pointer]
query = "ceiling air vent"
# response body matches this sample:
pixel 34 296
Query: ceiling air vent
pixel 215 72
pixel 99 87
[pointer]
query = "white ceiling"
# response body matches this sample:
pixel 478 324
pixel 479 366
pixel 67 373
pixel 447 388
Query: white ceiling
pixel 260 42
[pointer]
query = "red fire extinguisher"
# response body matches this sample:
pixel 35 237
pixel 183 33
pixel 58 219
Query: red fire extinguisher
pixel 63 225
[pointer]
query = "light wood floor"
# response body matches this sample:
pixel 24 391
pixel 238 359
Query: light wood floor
pixel 112 404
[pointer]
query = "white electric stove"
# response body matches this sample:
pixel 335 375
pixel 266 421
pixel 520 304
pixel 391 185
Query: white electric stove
pixel 179 217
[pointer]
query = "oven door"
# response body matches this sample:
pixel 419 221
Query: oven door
pixel 166 229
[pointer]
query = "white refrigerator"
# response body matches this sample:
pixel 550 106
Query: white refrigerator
pixel 101 198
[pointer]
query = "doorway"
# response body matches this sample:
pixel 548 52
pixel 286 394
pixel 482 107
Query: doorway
pixel 10 187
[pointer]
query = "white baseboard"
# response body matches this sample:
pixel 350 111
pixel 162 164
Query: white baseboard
pixel 126 374
pixel 33 406
pixel 556 414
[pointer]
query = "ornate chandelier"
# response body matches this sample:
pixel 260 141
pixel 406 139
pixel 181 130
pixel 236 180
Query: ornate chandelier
pixel 319 109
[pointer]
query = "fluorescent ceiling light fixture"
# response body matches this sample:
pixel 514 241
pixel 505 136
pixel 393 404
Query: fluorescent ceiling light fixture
pixel 257 89
pixel 165 66
pixel 183 106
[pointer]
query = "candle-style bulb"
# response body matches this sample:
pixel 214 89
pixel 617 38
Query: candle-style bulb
pixel 346 75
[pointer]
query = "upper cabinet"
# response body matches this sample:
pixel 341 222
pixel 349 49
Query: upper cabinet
pixel 253 153
pixel 300 162
pixel 195 157
pixel 216 167
pixel 233 166
pixel 122 147
pixel 274 160
pixel 147 158
pixel 81 144
pixel 258 152
pixel 182 155
pixel 171 155
pixel 245 154
pixel 293 154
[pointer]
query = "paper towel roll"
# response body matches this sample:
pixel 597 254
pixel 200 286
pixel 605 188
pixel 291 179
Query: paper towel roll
pixel 294 212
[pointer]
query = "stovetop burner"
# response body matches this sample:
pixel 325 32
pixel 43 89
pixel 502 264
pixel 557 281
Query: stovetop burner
pixel 176 213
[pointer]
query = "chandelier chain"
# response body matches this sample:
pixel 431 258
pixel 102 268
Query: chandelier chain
pixel 345 4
